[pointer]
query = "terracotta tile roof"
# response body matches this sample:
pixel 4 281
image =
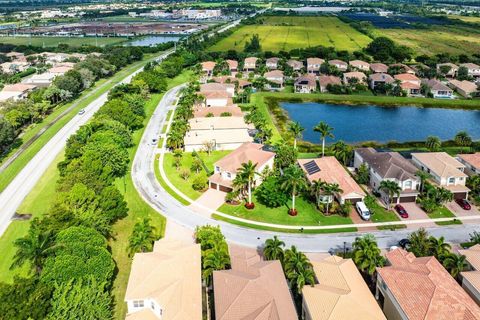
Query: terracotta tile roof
pixel 436 85
pixel 470 66
pixel 208 65
pixel 217 87
pixel 252 290
pixel 306 80
pixel 464 85
pixel 62 69
pixel 170 275
pixel 473 256
pixel 247 151
pixel 408 85
pixel 425 290
pixel 326 80
pixel 341 293
pixel 441 163
pixel 295 64
pixel 273 60
pixel 215 94
pixel 251 60
pixel 144 314
pixel 218 123
pixel 313 62
pixel 355 74
pixel 359 64
pixel 379 67
pixel 18 87
pixel 473 159
pixel 273 74
pixel 232 64
pixel 332 171
pixel 406 68
pixel 338 62
pixel 224 136
pixel 381 77
pixel 217 111
pixel 228 79
pixel 406 77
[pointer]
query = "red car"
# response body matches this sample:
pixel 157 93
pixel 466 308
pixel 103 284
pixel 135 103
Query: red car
pixel 463 204
pixel 401 211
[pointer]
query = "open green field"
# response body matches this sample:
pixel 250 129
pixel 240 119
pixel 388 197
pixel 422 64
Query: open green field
pixel 470 19
pixel 55 41
pixel 291 32
pixel 453 39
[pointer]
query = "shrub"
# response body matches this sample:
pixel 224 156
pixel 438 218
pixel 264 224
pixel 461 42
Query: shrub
pixel 185 173
pixel 225 114
pixel 199 182
pixel 209 115
pixel 269 194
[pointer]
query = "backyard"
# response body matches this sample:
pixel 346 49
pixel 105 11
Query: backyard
pixel 291 32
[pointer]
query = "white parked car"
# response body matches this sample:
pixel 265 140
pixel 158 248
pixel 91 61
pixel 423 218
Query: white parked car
pixel 363 210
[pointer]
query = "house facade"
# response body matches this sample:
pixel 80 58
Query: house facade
pixel 250 64
pixel 324 81
pixel 359 76
pixel 360 65
pixel 473 69
pixel 272 63
pixel 295 65
pixel 438 89
pixel 409 83
pixel 465 88
pixel 471 277
pixel 376 79
pixel 339 64
pixel 305 84
pixel 275 79
pixel 313 65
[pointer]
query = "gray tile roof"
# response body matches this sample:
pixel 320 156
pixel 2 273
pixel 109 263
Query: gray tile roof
pixel 389 165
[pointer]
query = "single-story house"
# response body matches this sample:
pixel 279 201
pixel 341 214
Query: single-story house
pixel 360 76
pixel 376 79
pixel 471 162
pixel 452 72
pixel 340 293
pixel 225 170
pixel 241 83
pixel 446 171
pixel 232 65
pixel 40 80
pixel 272 63
pixel 60 71
pixel 404 67
pixel 324 81
pixel 471 278
pixel 378 68
pixel 16 91
pixel 339 64
pixel 473 69
pixel 250 64
pixel 329 170
pixel 389 166
pixel 465 88
pixel 295 64
pixel 201 111
pixel 360 65
pixel 207 68
pixel 216 98
pixel 421 288
pixel 165 283
pixel 225 139
pixel 409 83
pixel 252 289
pixel 438 89
pixel 218 123
pixel 229 88
pixel 275 79
pixel 313 65
pixel 305 84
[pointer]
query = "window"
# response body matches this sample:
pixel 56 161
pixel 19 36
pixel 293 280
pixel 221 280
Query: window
pixel 451 180
pixel 217 169
pixel 138 304
pixel 229 175
pixel 408 184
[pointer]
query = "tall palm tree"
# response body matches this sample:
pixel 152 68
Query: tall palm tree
pixel 329 189
pixel 216 258
pixel 295 262
pixel 423 176
pixel 273 249
pixel 174 139
pixel 433 143
pixel 316 188
pixel 392 189
pixel 325 132
pixel 35 247
pixel 142 238
pixel 248 172
pixel 296 129
pixel 438 247
pixel 342 152
pixel 367 255
pixel 419 243
pixel 463 139
pixel 455 264
pixel 300 277
pixel 293 181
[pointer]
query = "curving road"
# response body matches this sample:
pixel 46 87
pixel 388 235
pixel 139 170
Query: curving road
pixel 152 192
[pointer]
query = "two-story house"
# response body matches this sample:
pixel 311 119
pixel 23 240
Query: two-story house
pixel 473 69
pixel 360 65
pixel 379 79
pixel 295 64
pixel 305 84
pixel 272 63
pixel 207 68
pixel 275 79
pixel 378 68
pixel 250 64
pixel 225 170
pixel 339 64
pixel 471 162
pixel 313 65
pixel 410 83
pixel 446 171
pixel 389 166
pixel 232 66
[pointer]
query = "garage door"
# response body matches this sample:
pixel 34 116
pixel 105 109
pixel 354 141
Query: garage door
pixel 407 199
pixel 354 200
pixel 213 185
pixel 460 195
pixel 225 189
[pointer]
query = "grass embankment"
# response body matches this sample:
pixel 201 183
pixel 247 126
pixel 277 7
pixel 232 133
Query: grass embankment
pixel 185 186
pixel 55 41
pixel 291 32
pixel 83 101
pixel 443 212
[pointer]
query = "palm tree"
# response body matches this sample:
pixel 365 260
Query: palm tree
pixel 423 176
pixel 463 139
pixel 142 238
pixel 296 129
pixel 342 151
pixel 433 143
pixel 455 264
pixel 35 247
pixel 273 249
pixel 296 266
pixel 293 181
pixel 300 278
pixel 419 243
pixel 174 139
pixel 248 172
pixel 329 189
pixel 391 188
pixel 316 188
pixel 216 258
pixel 438 247
pixel 367 255
pixel 325 132
pixel 178 155
pixel 239 184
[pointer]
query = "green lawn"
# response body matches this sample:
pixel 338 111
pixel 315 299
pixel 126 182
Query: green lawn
pixel 380 214
pixel 164 185
pixel 55 41
pixel 290 32
pixel 185 186
pixel 308 215
pixel 85 98
pixel 443 212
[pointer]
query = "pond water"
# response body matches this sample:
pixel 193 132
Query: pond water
pixel 150 41
pixel 355 124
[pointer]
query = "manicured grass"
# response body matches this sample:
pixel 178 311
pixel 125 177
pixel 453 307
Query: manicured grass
pixel 443 212
pixel 308 215
pixel 186 185
pixel 380 214
pixel 164 185
pixel 259 101
pixel 55 41
pixel 290 32
pixel 84 100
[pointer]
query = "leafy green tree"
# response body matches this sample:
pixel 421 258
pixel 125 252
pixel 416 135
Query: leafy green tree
pixel 269 194
pixel 462 73
pixel 363 174
pixel 433 143
pixel 120 111
pixel 367 255
pixel 285 156
pixel 7 134
pixel 391 189
pixel 248 171
pixel 296 129
pixel 325 132
pixel 455 264
pixel 177 156
pixel 273 249
pixel 253 45
pixel 423 176
pixel 438 247
pixel 207 236
pixel 420 244
pixel 81 299
pixel 196 165
pixel 109 155
pixel 329 190
pixel 294 182
pixel 142 238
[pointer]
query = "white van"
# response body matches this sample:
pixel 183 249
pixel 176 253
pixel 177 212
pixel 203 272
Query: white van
pixel 363 210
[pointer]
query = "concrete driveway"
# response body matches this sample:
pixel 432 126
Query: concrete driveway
pixel 415 213
pixel 357 219
pixel 209 201
pixel 459 212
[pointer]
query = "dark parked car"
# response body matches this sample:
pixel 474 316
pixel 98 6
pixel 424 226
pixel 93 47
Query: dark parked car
pixel 463 204
pixel 401 211
pixel 404 243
